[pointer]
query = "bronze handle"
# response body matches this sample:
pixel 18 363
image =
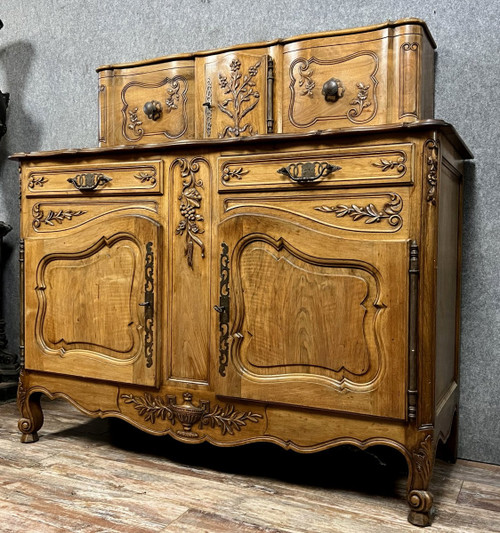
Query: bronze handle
pixel 333 89
pixel 152 110
pixel 307 172
pixel 89 181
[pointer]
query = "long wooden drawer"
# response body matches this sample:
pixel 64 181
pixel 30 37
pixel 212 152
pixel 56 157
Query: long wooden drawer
pixel 390 164
pixel 134 177
pixel 385 75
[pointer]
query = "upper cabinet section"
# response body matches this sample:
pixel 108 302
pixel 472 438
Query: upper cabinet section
pixel 380 74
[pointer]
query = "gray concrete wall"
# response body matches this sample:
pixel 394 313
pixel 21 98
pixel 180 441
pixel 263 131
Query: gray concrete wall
pixel 50 48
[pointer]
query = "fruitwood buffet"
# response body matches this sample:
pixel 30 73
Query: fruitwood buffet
pixel 295 288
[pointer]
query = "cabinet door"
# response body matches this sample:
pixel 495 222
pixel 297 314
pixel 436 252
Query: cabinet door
pixel 237 100
pixel 312 319
pixel 92 302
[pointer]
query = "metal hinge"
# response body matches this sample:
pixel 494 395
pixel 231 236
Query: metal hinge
pixel 414 270
pixel 270 89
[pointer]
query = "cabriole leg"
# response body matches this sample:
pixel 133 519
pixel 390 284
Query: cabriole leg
pixel 420 499
pixel 31 412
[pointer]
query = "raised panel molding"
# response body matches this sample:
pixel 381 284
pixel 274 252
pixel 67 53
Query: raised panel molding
pixel 363 92
pixel 355 367
pixel 134 128
pixel 58 306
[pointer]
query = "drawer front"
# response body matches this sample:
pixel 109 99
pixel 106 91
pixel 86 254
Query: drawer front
pixel 330 85
pixel 144 177
pixel 377 213
pixel 349 167
pixel 369 78
pixel 152 104
pixel 50 217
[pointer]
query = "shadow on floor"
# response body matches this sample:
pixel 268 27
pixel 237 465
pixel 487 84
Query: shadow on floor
pixel 378 470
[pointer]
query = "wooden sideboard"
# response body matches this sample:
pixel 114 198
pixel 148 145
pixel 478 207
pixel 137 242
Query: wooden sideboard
pixel 299 288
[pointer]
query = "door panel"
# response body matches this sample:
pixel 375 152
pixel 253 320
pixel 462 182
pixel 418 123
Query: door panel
pixel 312 320
pixel 91 309
pixel 236 100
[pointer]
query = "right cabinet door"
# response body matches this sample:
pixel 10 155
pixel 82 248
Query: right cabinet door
pixel 312 319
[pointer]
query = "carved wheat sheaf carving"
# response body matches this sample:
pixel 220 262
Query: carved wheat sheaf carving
pixel 154 408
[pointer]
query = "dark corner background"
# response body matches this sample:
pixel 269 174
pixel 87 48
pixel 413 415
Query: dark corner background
pixel 49 51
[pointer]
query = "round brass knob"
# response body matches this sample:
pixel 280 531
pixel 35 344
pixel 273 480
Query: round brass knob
pixel 333 89
pixel 152 110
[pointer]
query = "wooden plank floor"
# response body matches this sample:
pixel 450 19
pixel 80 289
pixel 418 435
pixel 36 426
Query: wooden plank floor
pixel 94 476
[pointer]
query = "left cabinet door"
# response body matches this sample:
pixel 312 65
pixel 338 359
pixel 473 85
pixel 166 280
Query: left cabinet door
pixel 91 295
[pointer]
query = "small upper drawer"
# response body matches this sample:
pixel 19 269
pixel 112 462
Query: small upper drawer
pixel 135 177
pixel 382 76
pixel 343 167
pixel 147 104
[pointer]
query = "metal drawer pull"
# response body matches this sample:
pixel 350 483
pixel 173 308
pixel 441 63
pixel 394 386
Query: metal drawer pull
pixel 333 89
pixel 89 181
pixel 306 172
pixel 152 110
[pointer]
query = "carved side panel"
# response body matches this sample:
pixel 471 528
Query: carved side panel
pixel 409 80
pixel 190 180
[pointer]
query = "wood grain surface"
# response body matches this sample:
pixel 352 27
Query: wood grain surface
pixel 97 476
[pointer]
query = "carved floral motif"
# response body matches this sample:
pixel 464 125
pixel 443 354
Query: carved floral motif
pixel 154 408
pixel 144 177
pixel 172 96
pixel 386 164
pixel 37 180
pixel 423 457
pixel 228 173
pixel 432 158
pixel 361 101
pixel 242 98
pixel 58 216
pixel 190 202
pixel 135 123
pixel 306 82
pixel 390 211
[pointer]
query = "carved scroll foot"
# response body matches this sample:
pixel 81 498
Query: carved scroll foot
pixel 31 417
pixel 422 511
pixel 419 498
